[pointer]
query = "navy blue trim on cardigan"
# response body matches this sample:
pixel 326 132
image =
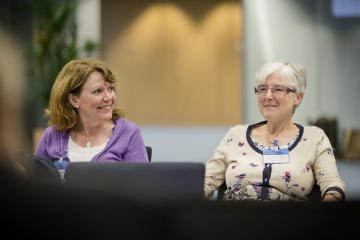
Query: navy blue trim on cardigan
pixel 267 169
pixel 265 183
pixel 339 190
pixel 251 127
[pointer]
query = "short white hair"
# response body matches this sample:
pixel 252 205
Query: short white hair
pixel 293 73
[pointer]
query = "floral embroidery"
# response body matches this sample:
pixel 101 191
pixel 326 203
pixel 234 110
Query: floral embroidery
pixel 330 151
pixel 244 153
pixel 286 177
pixel 286 146
pixel 304 139
pixel 253 165
pixel 241 176
pixel 241 144
pixel 229 140
pixel 293 195
pixel 257 189
pixel 236 192
pixel 232 167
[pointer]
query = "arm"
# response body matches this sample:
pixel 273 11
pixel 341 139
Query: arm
pixel 216 169
pixel 42 145
pixel 325 170
pixel 136 150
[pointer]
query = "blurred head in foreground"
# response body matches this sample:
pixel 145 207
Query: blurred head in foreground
pixel 11 127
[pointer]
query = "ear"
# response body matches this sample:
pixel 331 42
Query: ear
pixel 73 100
pixel 299 97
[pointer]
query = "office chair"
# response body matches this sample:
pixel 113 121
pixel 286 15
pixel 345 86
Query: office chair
pixel 41 169
pixel 149 152
pixel 140 181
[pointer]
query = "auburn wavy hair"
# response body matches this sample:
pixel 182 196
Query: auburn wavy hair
pixel 71 79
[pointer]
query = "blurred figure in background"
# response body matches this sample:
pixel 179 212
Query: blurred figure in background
pixel 276 159
pixel 84 123
pixel 11 91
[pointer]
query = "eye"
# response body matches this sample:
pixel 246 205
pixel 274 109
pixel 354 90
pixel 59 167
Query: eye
pixel 98 91
pixel 111 89
pixel 263 89
pixel 279 89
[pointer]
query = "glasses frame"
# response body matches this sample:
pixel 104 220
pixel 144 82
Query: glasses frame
pixel 288 90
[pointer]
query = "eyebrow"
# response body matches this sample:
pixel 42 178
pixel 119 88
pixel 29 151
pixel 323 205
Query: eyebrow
pixel 276 85
pixel 107 84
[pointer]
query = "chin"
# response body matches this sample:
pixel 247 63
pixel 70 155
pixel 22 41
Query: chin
pixel 106 117
pixel 270 115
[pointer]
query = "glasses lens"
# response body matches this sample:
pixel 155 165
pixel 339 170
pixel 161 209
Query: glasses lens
pixel 277 91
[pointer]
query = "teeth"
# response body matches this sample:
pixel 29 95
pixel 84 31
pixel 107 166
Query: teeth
pixel 106 107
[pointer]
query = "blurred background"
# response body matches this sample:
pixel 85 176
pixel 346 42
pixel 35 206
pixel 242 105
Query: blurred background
pixel 186 68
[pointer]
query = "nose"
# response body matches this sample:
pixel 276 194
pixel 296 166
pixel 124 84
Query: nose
pixel 107 95
pixel 269 93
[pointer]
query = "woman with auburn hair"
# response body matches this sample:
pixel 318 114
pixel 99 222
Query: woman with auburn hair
pixel 84 123
pixel 32 208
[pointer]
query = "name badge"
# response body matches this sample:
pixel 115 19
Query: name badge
pixel 276 156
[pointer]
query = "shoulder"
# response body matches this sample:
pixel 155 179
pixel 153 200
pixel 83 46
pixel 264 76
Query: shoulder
pixel 313 131
pixel 51 130
pixel 238 129
pixel 52 133
pixel 124 125
pixel 236 132
pixel 51 137
pixel 234 135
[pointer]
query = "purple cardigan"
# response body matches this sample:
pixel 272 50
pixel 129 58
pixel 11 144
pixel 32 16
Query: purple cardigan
pixel 125 144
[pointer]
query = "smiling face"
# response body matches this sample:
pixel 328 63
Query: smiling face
pixel 96 100
pixel 278 107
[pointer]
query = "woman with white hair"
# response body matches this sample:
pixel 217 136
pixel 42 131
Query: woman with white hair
pixel 275 159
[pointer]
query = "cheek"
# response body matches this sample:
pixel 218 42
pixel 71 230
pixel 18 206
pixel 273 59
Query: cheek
pixel 94 102
pixel 288 106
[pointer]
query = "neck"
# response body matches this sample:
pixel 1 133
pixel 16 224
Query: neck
pixel 273 129
pixel 276 127
pixel 90 129
pixel 88 135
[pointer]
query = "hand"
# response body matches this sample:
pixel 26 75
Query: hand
pixel 330 198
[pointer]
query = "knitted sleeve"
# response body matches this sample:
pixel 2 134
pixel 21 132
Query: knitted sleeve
pixel 325 168
pixel 216 166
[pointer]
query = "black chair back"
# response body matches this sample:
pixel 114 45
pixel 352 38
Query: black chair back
pixel 41 169
pixel 149 152
pixel 151 182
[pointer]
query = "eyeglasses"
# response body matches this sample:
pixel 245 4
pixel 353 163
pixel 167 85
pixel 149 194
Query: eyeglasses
pixel 277 90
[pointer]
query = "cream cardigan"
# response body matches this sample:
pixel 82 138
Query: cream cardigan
pixel 240 162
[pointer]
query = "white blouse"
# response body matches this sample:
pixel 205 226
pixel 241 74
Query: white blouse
pixel 77 153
